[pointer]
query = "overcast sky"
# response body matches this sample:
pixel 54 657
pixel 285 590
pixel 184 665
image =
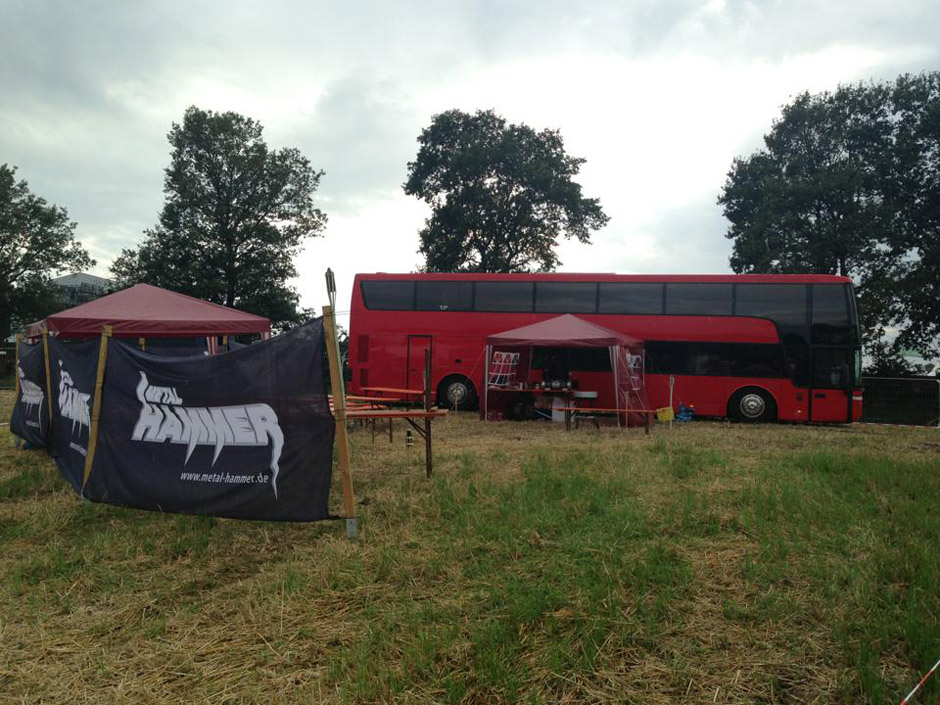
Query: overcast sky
pixel 658 96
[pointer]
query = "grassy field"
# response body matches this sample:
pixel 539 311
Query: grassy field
pixel 706 563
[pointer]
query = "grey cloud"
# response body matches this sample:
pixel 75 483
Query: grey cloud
pixel 690 240
pixel 87 89
pixel 362 137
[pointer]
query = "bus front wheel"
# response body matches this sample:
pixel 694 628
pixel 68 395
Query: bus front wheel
pixel 457 392
pixel 752 405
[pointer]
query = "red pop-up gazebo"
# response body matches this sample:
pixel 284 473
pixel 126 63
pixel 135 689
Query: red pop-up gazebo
pixel 145 311
pixel 568 331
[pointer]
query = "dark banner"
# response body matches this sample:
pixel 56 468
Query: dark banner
pixel 74 369
pixel 30 419
pixel 246 434
pixel 176 347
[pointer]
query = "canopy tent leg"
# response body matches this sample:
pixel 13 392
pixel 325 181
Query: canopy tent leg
pixel 486 383
pixel 615 365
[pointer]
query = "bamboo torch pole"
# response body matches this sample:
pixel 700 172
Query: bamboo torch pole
pixel 96 404
pixel 339 410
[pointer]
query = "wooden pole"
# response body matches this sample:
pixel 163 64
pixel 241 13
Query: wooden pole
pixel 427 408
pixel 96 404
pixel 16 372
pixel 45 354
pixel 16 393
pixel 339 411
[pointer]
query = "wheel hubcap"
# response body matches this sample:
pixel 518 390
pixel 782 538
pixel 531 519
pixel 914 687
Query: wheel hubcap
pixel 456 393
pixel 752 405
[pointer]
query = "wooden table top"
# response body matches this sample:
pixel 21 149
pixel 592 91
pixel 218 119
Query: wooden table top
pixel 395 413
pixel 393 390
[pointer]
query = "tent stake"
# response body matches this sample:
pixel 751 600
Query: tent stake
pixel 96 408
pixel 339 410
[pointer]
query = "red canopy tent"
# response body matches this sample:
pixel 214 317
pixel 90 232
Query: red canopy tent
pixel 145 311
pixel 568 331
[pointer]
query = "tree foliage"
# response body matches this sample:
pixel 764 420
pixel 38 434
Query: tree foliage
pixel 37 240
pixel 235 216
pixel 848 182
pixel 501 195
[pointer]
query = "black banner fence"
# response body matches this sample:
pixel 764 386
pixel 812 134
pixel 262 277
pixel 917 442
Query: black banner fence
pixel 72 367
pixel 246 434
pixel 30 417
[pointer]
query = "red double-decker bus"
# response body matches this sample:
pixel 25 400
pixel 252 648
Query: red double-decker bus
pixel 750 347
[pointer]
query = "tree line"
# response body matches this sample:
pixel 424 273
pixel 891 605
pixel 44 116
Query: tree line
pixel 847 182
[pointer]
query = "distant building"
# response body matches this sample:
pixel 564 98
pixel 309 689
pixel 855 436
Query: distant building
pixel 80 288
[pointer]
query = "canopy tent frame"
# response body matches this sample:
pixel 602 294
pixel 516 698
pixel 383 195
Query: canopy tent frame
pixel 569 331
pixel 145 311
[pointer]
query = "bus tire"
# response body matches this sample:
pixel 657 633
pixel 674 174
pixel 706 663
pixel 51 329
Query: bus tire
pixel 457 392
pixel 752 405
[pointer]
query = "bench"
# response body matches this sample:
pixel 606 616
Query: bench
pixel 576 412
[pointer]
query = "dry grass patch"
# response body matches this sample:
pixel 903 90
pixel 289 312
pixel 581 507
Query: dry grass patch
pixel 707 563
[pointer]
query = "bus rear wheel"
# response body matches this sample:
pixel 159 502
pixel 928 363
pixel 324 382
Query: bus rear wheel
pixel 752 405
pixel 457 392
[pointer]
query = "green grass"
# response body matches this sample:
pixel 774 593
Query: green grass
pixel 709 563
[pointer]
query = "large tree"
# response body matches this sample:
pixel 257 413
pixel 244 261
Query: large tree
pixel 848 183
pixel 37 240
pixel 235 216
pixel 501 195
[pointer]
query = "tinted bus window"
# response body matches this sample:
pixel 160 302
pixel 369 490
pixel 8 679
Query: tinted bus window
pixel 797 352
pixel 785 304
pixel 698 299
pixel 503 296
pixel 832 368
pixel 831 322
pixel 576 359
pixel 565 297
pixel 715 359
pixel 629 298
pixel 388 295
pixel 443 296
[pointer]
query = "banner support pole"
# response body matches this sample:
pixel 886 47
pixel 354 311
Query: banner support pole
pixel 16 374
pixel 16 384
pixel 96 408
pixel 45 354
pixel 339 410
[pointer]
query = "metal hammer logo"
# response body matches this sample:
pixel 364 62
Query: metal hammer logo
pixel 73 404
pixel 164 418
pixel 31 395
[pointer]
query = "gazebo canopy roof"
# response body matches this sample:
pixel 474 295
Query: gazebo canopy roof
pixel 565 331
pixel 145 311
